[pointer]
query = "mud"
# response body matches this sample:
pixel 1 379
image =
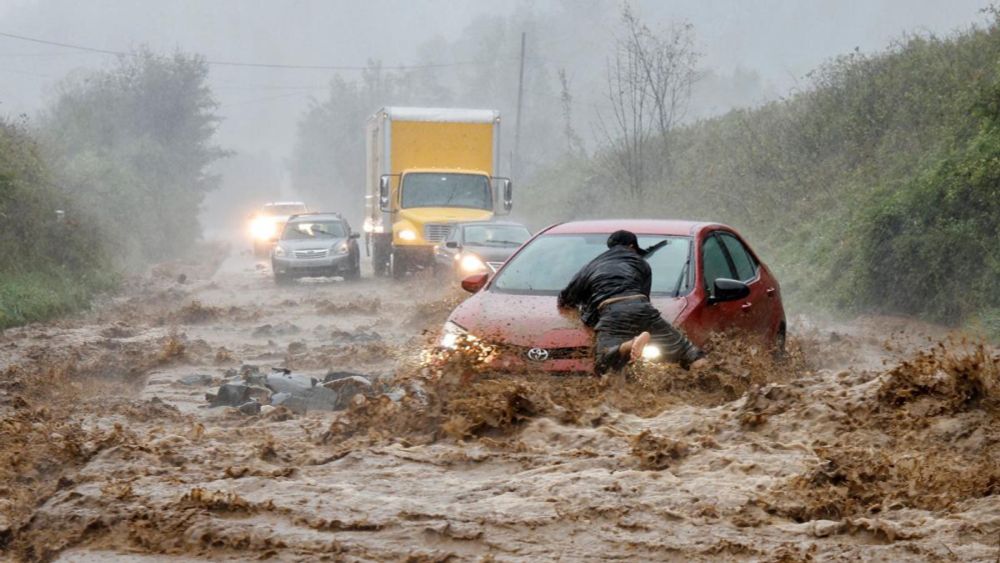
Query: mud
pixel 872 440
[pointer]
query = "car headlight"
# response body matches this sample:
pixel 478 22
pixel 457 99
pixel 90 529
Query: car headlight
pixel 651 352
pixel 341 248
pixel 471 264
pixel 263 229
pixel 407 234
pixel 279 251
pixel 450 335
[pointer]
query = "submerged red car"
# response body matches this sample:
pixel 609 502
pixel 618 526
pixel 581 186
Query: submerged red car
pixel 706 279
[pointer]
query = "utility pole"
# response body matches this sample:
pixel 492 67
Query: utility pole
pixel 515 161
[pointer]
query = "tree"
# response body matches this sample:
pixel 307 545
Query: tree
pixel 649 84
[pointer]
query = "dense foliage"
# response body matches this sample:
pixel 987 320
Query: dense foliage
pixel 49 263
pixel 874 189
pixel 134 142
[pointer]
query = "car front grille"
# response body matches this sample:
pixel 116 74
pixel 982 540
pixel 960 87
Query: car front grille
pixel 546 354
pixel 312 253
pixel 436 232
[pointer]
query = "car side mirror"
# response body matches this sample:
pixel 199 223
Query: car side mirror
pixel 728 290
pixel 354 235
pixel 383 193
pixel 451 244
pixel 475 282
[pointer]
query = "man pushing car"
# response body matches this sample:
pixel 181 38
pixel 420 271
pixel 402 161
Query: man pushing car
pixel 612 294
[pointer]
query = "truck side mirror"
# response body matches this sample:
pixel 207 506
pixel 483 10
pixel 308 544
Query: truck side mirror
pixel 508 195
pixel 383 193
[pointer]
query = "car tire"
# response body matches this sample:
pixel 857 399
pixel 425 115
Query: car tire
pixel 780 352
pixel 398 266
pixel 354 272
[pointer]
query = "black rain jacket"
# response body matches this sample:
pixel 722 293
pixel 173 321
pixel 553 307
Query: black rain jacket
pixel 618 272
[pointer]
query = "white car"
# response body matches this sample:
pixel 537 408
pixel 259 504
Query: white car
pixel 266 224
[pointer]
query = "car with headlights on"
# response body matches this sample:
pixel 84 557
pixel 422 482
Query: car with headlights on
pixel 706 279
pixel 477 247
pixel 316 244
pixel 266 223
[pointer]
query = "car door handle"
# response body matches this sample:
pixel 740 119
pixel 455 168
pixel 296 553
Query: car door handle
pixel 746 306
pixel 770 291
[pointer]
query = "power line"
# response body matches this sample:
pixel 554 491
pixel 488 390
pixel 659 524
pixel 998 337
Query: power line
pixel 246 64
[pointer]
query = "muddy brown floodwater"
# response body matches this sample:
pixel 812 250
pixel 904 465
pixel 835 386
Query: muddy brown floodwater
pixel 877 440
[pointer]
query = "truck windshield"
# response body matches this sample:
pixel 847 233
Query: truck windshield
pixel 422 189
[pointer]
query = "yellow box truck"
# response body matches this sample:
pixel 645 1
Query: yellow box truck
pixel 428 168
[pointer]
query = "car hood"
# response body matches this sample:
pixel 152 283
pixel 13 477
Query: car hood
pixel 533 320
pixel 311 243
pixel 491 253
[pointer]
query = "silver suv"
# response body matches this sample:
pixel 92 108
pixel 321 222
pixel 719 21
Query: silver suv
pixel 316 244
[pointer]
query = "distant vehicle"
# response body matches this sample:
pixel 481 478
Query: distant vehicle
pixel 706 279
pixel 265 224
pixel 427 169
pixel 316 244
pixel 475 248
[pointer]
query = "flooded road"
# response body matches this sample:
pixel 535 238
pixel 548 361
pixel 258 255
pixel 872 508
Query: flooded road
pixel 871 442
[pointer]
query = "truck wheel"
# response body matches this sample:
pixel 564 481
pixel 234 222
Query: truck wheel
pixel 398 266
pixel 380 262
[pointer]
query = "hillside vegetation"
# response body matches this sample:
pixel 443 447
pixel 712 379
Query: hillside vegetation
pixel 874 189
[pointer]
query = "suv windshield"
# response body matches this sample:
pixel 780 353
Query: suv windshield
pixel 284 209
pixel 549 262
pixel 496 235
pixel 317 229
pixel 422 189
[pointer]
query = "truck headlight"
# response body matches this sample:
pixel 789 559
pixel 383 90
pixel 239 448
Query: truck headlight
pixel 471 264
pixel 450 335
pixel 279 251
pixel 407 234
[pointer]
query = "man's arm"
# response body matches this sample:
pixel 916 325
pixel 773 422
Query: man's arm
pixel 573 294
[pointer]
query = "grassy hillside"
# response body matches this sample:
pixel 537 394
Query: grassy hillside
pixel 875 188
pixel 47 266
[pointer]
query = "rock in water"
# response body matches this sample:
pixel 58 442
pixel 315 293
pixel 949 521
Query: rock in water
pixel 251 408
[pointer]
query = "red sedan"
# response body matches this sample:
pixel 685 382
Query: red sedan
pixel 706 279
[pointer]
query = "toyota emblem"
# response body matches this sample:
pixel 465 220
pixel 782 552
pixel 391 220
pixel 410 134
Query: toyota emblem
pixel 538 354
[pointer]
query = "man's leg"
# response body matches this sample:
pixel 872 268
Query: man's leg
pixel 672 343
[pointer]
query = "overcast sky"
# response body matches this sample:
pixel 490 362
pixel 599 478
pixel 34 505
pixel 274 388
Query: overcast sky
pixel 780 40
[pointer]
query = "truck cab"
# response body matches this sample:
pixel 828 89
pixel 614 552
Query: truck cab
pixel 428 169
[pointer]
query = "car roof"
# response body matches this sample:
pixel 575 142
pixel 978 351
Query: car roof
pixel 638 226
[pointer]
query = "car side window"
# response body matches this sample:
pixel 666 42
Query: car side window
pixel 714 262
pixel 746 267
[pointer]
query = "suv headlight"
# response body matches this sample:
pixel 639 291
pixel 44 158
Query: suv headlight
pixel 279 251
pixel 341 248
pixel 450 335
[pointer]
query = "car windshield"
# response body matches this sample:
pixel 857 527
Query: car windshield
pixel 549 262
pixel 446 190
pixel 284 209
pixel 318 229
pixel 496 235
